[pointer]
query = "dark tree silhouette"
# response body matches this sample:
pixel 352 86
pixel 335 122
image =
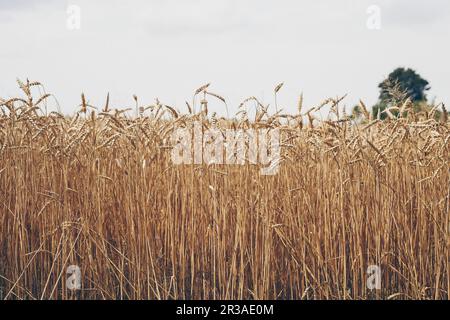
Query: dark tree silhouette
pixel 408 82
pixel 401 84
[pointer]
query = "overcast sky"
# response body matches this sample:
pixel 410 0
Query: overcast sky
pixel 167 49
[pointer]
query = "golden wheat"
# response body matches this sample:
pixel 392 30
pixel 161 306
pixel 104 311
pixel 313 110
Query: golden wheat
pixel 101 192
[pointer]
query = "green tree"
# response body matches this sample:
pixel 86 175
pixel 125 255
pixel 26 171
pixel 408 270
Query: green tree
pixel 409 83
pixel 401 84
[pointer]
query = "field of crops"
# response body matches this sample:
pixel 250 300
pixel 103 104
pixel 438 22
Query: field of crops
pixel 99 191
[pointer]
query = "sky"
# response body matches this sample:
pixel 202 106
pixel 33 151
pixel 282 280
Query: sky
pixel 167 49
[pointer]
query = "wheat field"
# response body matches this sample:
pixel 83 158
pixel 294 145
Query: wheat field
pixel 98 190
